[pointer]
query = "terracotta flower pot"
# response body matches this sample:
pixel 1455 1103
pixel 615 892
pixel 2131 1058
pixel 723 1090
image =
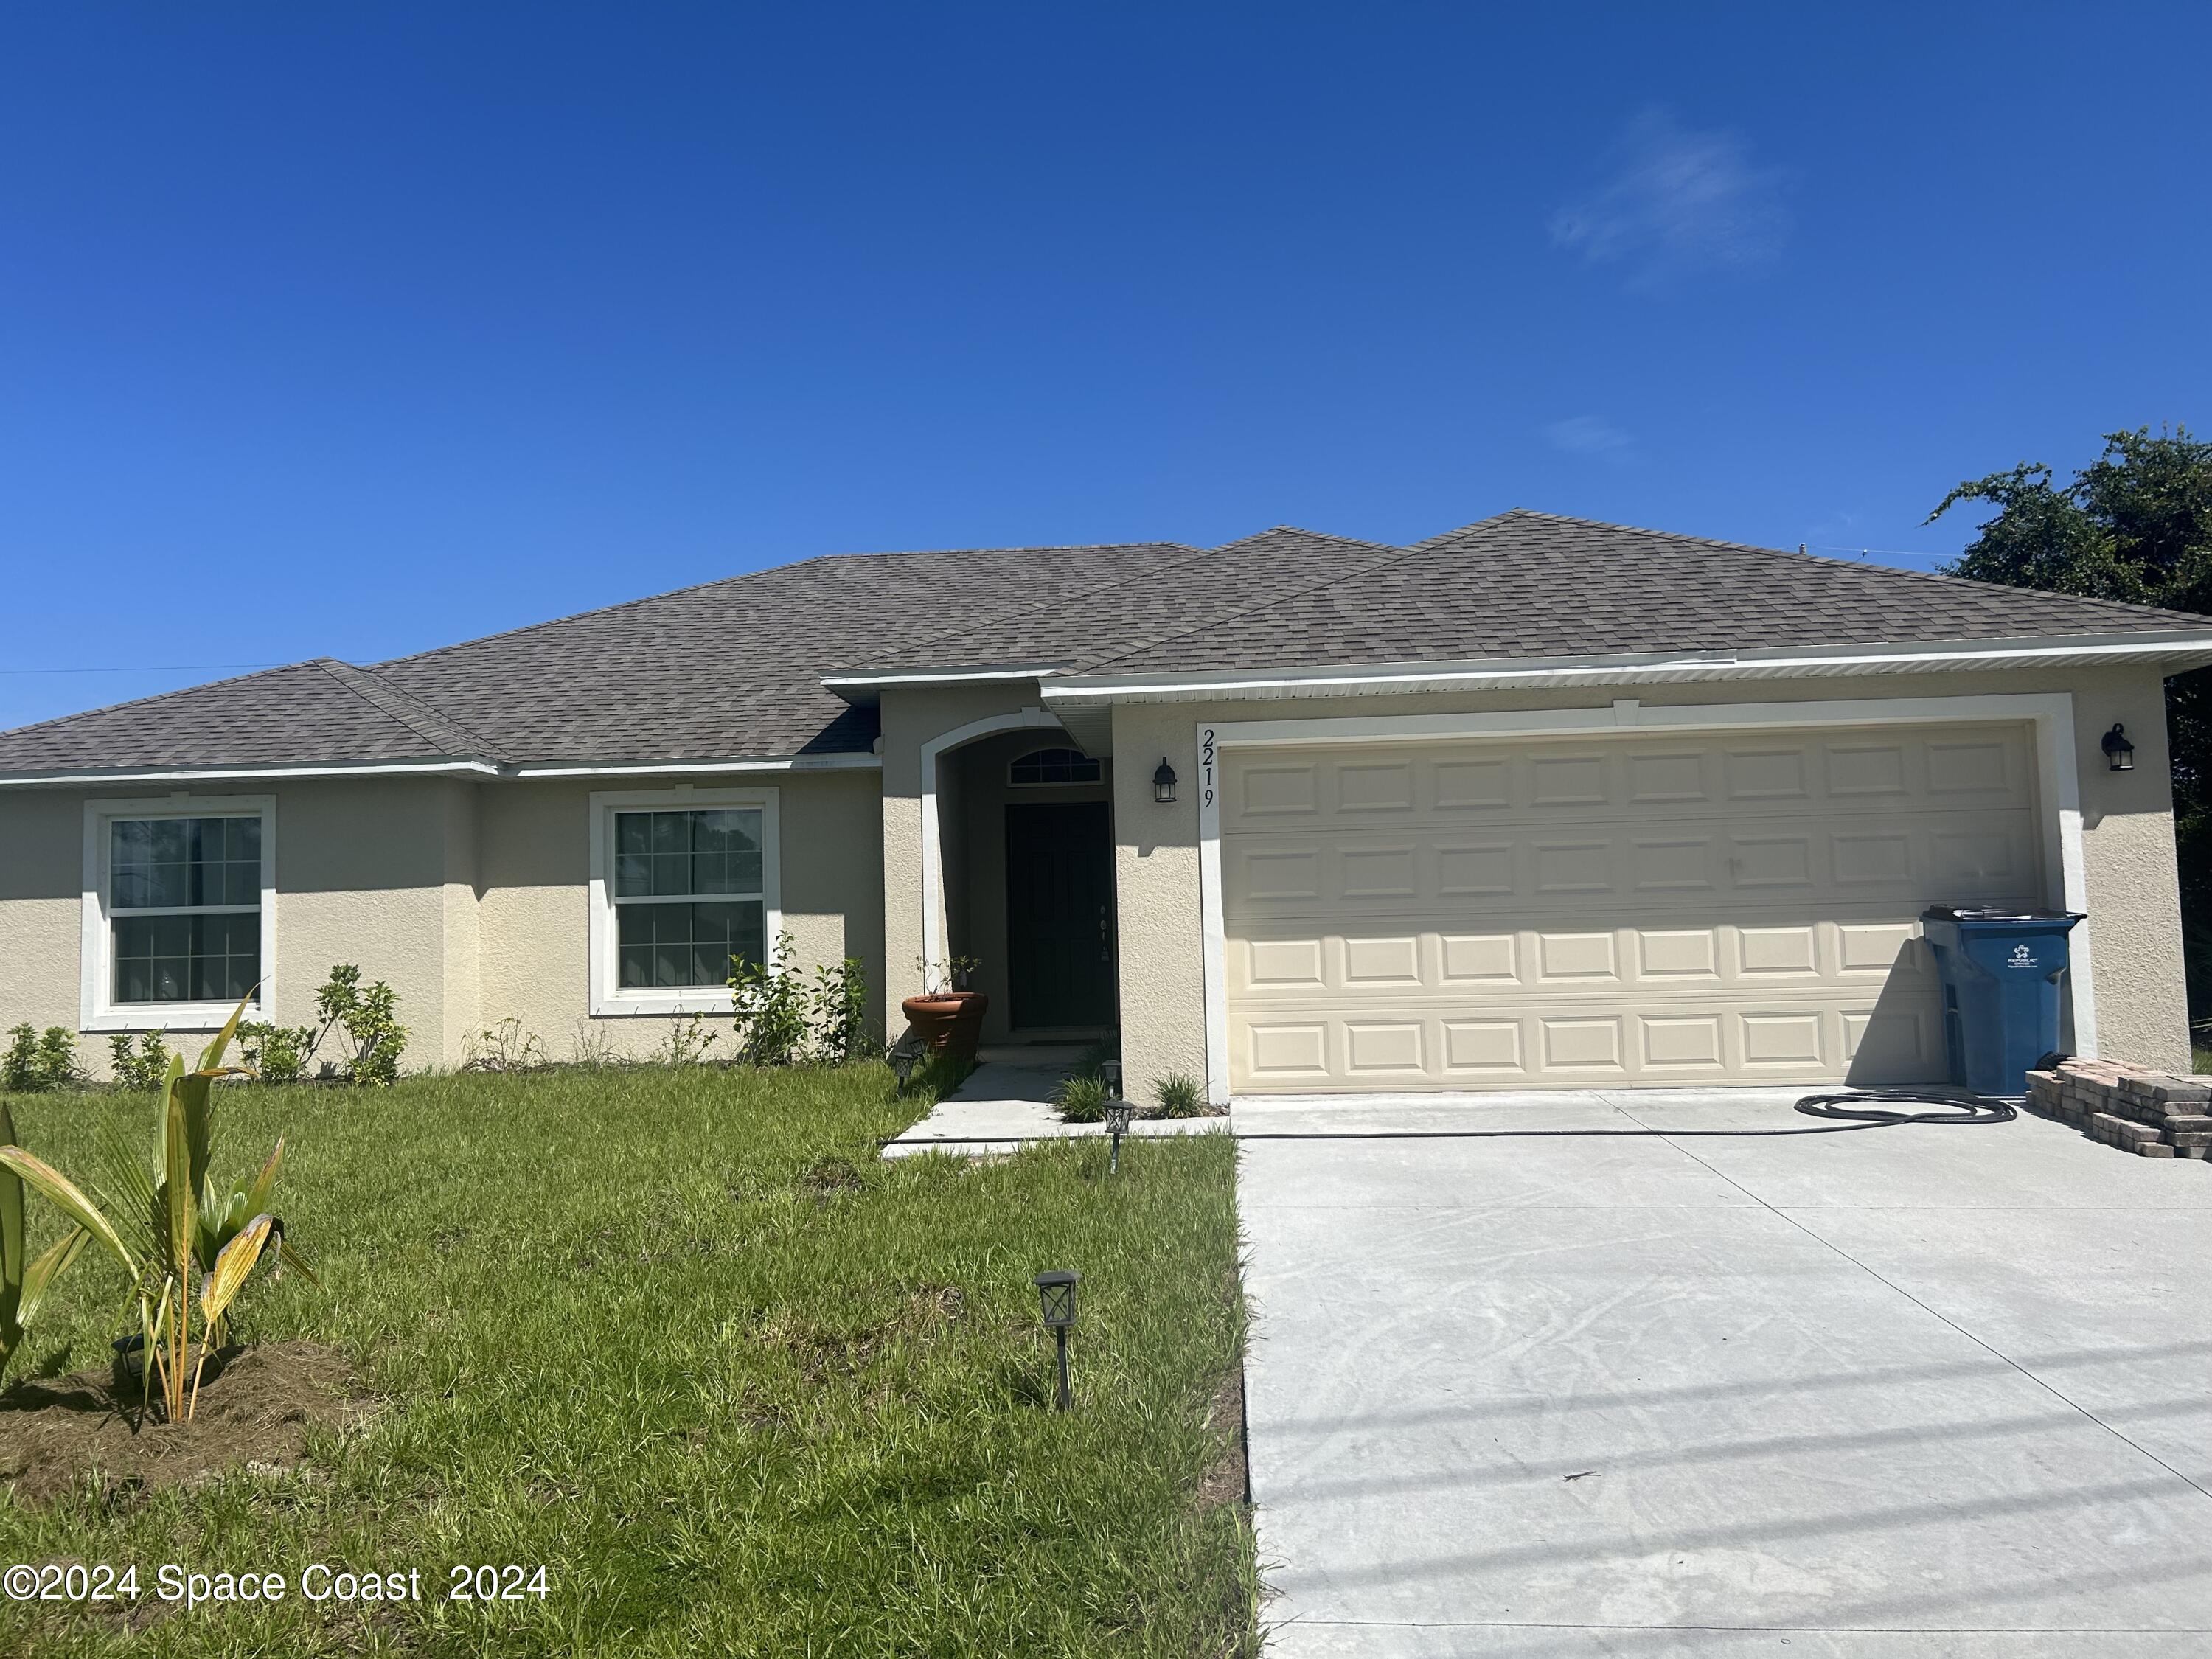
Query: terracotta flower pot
pixel 950 1023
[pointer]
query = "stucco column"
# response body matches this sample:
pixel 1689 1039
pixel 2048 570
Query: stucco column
pixel 1157 895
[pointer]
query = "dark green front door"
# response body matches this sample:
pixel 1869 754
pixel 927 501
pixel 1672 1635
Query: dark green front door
pixel 1059 915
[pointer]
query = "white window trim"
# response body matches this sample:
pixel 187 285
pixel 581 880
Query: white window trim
pixel 2058 797
pixel 98 1011
pixel 608 999
pixel 1013 782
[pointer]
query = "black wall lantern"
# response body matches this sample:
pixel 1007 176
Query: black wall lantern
pixel 1164 782
pixel 1056 1290
pixel 2119 753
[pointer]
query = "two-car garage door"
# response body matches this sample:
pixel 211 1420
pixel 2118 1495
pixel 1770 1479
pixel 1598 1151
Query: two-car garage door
pixel 1565 913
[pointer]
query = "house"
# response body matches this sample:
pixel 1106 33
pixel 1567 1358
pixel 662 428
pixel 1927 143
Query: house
pixel 1539 802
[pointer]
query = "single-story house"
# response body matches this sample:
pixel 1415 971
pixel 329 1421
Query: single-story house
pixel 1540 802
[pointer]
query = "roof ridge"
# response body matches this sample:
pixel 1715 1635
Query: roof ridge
pixel 1318 535
pixel 445 734
pixel 1477 524
pixel 1715 541
pixel 151 696
pixel 967 625
pixel 1396 554
pixel 739 576
pixel 934 552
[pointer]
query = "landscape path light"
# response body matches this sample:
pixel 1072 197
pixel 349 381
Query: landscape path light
pixel 1056 1290
pixel 1117 1125
pixel 906 1055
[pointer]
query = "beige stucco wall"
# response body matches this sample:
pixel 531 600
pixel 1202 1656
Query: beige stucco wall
pixel 2127 841
pixel 534 845
pixel 470 898
pixel 41 906
pixel 362 876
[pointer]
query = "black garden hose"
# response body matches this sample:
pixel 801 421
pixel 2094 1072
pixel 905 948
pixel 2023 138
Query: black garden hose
pixel 1958 1109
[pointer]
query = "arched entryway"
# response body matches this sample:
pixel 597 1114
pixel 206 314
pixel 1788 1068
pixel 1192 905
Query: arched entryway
pixel 1018 873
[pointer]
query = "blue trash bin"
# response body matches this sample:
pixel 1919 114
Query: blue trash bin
pixel 2003 973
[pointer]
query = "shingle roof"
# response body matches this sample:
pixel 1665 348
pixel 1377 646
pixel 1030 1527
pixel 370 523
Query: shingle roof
pixel 729 670
pixel 1136 609
pixel 1535 585
pixel 732 669
pixel 307 712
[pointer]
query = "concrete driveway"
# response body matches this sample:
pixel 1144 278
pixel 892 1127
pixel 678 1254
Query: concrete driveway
pixel 1904 1393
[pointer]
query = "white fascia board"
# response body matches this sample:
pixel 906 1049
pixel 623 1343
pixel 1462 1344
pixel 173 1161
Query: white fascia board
pixel 438 768
pixel 863 689
pixel 838 761
pixel 447 768
pixel 2191 648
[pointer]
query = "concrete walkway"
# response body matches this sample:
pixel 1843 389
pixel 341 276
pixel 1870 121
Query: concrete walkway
pixel 1900 1393
pixel 1006 1102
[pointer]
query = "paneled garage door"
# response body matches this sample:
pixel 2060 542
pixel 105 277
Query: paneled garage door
pixel 1571 913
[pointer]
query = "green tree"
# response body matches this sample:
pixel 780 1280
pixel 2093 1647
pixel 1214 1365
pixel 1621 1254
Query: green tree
pixel 2134 525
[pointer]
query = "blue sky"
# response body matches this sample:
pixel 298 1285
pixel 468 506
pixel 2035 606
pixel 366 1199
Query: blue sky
pixel 353 330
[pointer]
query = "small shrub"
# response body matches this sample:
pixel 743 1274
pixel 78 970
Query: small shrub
pixel 504 1047
pixel 1082 1098
pixel 595 1046
pixel 948 974
pixel 688 1039
pixel 38 1060
pixel 771 1008
pixel 140 1063
pixel 838 1008
pixel 1180 1095
pixel 369 1017
pixel 277 1053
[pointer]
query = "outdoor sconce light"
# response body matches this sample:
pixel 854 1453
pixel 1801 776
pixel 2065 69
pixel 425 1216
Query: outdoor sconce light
pixel 2119 753
pixel 1057 1291
pixel 1117 1125
pixel 1164 782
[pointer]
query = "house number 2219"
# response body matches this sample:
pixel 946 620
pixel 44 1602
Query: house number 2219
pixel 1206 767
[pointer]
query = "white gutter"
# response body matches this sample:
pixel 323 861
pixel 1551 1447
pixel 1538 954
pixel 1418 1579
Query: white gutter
pixel 830 763
pixel 2181 649
pixel 861 690
pixel 446 769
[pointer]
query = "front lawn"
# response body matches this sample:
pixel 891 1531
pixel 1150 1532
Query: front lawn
pixel 740 1386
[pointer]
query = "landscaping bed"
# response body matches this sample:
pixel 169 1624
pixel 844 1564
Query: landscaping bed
pixel 678 1337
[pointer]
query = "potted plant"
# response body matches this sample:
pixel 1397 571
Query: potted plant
pixel 947 1016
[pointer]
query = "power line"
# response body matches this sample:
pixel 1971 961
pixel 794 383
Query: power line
pixel 148 668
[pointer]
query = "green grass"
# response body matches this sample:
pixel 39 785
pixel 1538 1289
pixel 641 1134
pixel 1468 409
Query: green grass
pixel 740 1386
pixel 2204 1058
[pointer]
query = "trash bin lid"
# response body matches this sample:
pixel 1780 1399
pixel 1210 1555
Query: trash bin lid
pixel 1983 913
